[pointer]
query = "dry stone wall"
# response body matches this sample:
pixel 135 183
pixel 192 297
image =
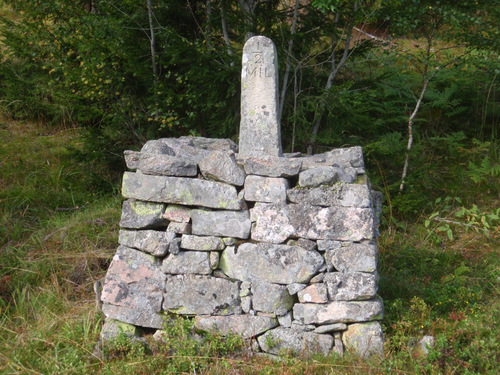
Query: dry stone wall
pixel 280 249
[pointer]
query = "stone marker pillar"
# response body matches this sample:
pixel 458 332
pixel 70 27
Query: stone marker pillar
pixel 260 132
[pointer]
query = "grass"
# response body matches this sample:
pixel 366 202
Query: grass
pixel 57 236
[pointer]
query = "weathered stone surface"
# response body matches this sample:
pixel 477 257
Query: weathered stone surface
pixel 270 166
pixel 221 223
pixel 353 257
pixel 179 214
pixel 277 264
pixel 187 262
pixel 315 293
pixel 317 176
pixel 142 215
pixel 133 288
pixel 364 339
pixel 319 277
pixel 266 189
pixel 259 126
pixel 132 159
pixel 274 223
pixel 286 320
pixel 179 228
pixel 278 339
pixel 339 312
pixel 271 298
pixel 214 259
pixel 211 144
pixel 339 194
pixel 221 166
pixel 303 243
pixel 175 246
pixel 246 326
pixel 151 241
pixel 201 295
pixel 201 243
pixel 340 157
pixel 351 286
pixel 166 165
pixel 331 328
pixel 294 288
pixel 338 347
pixel 423 346
pixel 181 190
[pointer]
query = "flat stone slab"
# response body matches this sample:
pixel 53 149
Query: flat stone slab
pixel 339 312
pixel 339 194
pixel 331 328
pixel 160 165
pixel 340 157
pixel 246 326
pixel 221 223
pixel 364 339
pixel 142 215
pixel 277 264
pixel 196 262
pixel 180 190
pixel 153 242
pixel 266 189
pixel 179 214
pixel 202 295
pixel 275 223
pixel 351 286
pixel 202 243
pixel 260 131
pixel 317 176
pixel 133 288
pixel 222 166
pixel 279 339
pixel 269 166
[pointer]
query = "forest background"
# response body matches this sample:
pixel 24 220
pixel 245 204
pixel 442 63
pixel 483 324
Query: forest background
pixel 415 82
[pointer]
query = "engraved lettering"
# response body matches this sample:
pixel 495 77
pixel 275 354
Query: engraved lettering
pixel 252 72
pixel 258 59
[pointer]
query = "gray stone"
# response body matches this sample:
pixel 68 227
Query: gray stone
pixel 364 339
pixel 150 241
pixel 187 262
pixel 179 228
pixel 266 189
pixel 132 159
pixel 133 288
pixel 142 215
pixel 214 259
pixel 270 166
pixel 331 328
pixel 201 243
pixel 221 223
pixel 175 246
pixel 315 293
pixel 274 223
pixel 351 286
pixel 180 190
pixel 283 339
pixel 319 277
pixel 361 257
pixel 245 326
pixel 277 264
pixel 211 144
pixel 201 295
pixel 339 312
pixel 245 289
pixel 294 288
pixel 166 165
pixel 259 126
pixel 271 298
pixel 221 166
pixel 339 194
pixel 340 157
pixel 179 214
pixel 303 243
pixel 423 346
pixel 181 148
pixel 328 244
pixel 317 176
pixel 246 304
pixel 338 347
pixel 297 326
pixel 286 320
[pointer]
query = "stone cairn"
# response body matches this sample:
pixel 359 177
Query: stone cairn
pixel 279 249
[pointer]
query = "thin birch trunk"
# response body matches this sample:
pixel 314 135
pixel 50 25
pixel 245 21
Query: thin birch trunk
pixel 224 30
pixel 152 40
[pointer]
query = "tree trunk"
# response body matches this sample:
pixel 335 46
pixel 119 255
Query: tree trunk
pixel 152 40
pixel 288 59
pixel 224 29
